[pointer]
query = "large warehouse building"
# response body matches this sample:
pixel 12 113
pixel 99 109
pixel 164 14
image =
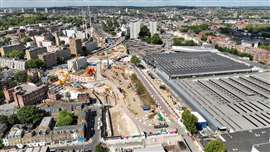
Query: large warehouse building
pixel 237 102
pixel 229 94
pixel 187 64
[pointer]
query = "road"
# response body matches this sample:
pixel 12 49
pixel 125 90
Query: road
pixel 97 136
pixel 118 42
pixel 156 95
pixel 162 104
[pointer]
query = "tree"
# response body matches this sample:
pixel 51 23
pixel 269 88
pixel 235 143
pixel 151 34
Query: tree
pixel 35 63
pixel 182 42
pixel 189 121
pixel 30 115
pixel 64 118
pixel 13 119
pixel 20 76
pixel 1 144
pixel 3 119
pixel 135 60
pixel 26 39
pixel 144 32
pixel 16 54
pixel 215 146
pixel 2 96
pixel 101 148
pixel 155 39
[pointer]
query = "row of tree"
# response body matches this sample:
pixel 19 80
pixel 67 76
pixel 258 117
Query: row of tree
pixel 190 121
pixel 35 63
pixel 8 21
pixel 179 41
pixel 234 51
pixel 29 115
pixel 195 28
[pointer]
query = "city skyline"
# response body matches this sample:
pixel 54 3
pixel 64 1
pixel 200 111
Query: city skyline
pixel 59 3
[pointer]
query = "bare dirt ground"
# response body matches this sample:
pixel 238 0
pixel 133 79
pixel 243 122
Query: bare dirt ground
pixel 122 124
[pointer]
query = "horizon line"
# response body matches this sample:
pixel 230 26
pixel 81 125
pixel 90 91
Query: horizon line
pixel 196 6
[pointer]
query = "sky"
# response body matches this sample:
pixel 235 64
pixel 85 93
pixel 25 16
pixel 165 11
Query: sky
pixel 52 3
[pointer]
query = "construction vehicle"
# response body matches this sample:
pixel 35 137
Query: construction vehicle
pixel 90 71
pixel 65 78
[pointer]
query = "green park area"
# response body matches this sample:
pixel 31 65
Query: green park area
pixel 65 118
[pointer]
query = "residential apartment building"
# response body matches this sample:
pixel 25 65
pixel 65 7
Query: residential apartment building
pixel 49 58
pixel 46 134
pixel 75 46
pixel 153 27
pixel 61 52
pixel 134 28
pixel 33 53
pixel 76 64
pixel 5 49
pixel 12 63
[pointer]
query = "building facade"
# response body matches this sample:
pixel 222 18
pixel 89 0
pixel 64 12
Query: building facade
pixel 134 27
pixel 75 46
pixel 5 49
pixel 76 64
pixel 26 94
pixel 34 52
pixel 13 64
pixel 153 27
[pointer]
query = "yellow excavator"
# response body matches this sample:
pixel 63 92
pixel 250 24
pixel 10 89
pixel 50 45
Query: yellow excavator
pixel 65 79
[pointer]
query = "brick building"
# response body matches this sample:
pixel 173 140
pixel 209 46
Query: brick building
pixel 26 94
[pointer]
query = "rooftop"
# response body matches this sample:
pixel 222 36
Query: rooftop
pixel 157 148
pixel 27 88
pixel 45 123
pixel 244 140
pixel 262 147
pixel 237 102
pixel 186 64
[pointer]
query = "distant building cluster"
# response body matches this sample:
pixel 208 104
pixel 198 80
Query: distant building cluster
pixel 46 134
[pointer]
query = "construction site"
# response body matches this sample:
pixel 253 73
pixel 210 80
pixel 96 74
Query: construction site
pixel 113 82
pixel 109 78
